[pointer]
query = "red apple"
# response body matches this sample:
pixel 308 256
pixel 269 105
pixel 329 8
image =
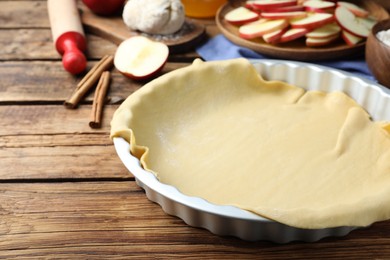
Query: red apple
pixel 318 42
pixel 313 21
pixel 293 34
pixel 258 29
pixel 350 39
pixel 105 7
pixel 356 10
pixel 349 22
pixel 283 15
pixel 325 31
pixel 139 58
pixel 241 15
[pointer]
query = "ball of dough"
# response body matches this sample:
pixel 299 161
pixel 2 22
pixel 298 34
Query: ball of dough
pixel 154 16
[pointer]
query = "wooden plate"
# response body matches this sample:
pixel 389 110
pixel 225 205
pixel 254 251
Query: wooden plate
pixel 297 50
pixel 113 29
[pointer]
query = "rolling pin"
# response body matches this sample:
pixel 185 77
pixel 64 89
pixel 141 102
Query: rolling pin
pixel 68 34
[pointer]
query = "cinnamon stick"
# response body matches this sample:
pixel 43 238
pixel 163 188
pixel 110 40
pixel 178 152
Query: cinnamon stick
pixel 99 99
pixel 89 80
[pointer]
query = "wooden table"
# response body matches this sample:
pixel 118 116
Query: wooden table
pixel 64 192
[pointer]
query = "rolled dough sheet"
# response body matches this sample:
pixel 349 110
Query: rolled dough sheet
pixel 218 131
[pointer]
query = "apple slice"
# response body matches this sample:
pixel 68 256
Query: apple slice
pixel 139 58
pixel 275 36
pixel 349 22
pixel 319 42
pixel 249 5
pixel 326 31
pixel 292 8
pixel 313 21
pixel 293 34
pixel 272 4
pixel 241 15
pixel 248 29
pixel 351 39
pixel 283 15
pixel 318 6
pixel 369 22
pixel 254 30
pixel 356 10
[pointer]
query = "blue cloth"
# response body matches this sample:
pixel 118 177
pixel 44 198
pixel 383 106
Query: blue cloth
pixel 220 48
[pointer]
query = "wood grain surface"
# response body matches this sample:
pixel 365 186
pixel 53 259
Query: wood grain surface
pixel 114 219
pixel 59 86
pixel 64 194
pixel 115 30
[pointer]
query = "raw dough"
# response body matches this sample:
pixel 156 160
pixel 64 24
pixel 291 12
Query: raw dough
pixel 154 16
pixel 217 130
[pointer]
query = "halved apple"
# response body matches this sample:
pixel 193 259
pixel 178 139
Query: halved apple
pixel 313 21
pixel 254 30
pixel 241 15
pixel 319 42
pixel 283 15
pixel 326 31
pixel 356 10
pixel 351 39
pixel 293 34
pixel 349 22
pixel 139 58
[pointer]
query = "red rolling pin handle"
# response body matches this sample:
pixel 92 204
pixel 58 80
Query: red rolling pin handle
pixel 68 34
pixel 71 46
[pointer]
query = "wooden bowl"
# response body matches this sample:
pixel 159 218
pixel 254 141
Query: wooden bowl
pixel 297 50
pixel 378 54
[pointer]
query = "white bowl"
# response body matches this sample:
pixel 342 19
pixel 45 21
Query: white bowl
pixel 233 221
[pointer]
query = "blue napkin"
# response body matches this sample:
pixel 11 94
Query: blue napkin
pixel 220 48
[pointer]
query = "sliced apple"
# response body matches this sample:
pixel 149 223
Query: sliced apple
pixel 356 10
pixel 254 30
pixel 319 42
pixel 349 22
pixel 275 36
pixel 369 22
pixel 321 21
pixel 241 15
pixel 292 8
pixel 247 31
pixel 318 6
pixel 351 39
pixel 313 21
pixel 293 34
pixel 326 31
pixel 139 58
pixel 249 5
pixel 272 4
pixel 283 15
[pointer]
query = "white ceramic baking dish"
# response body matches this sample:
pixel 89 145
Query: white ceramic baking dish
pixel 232 221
